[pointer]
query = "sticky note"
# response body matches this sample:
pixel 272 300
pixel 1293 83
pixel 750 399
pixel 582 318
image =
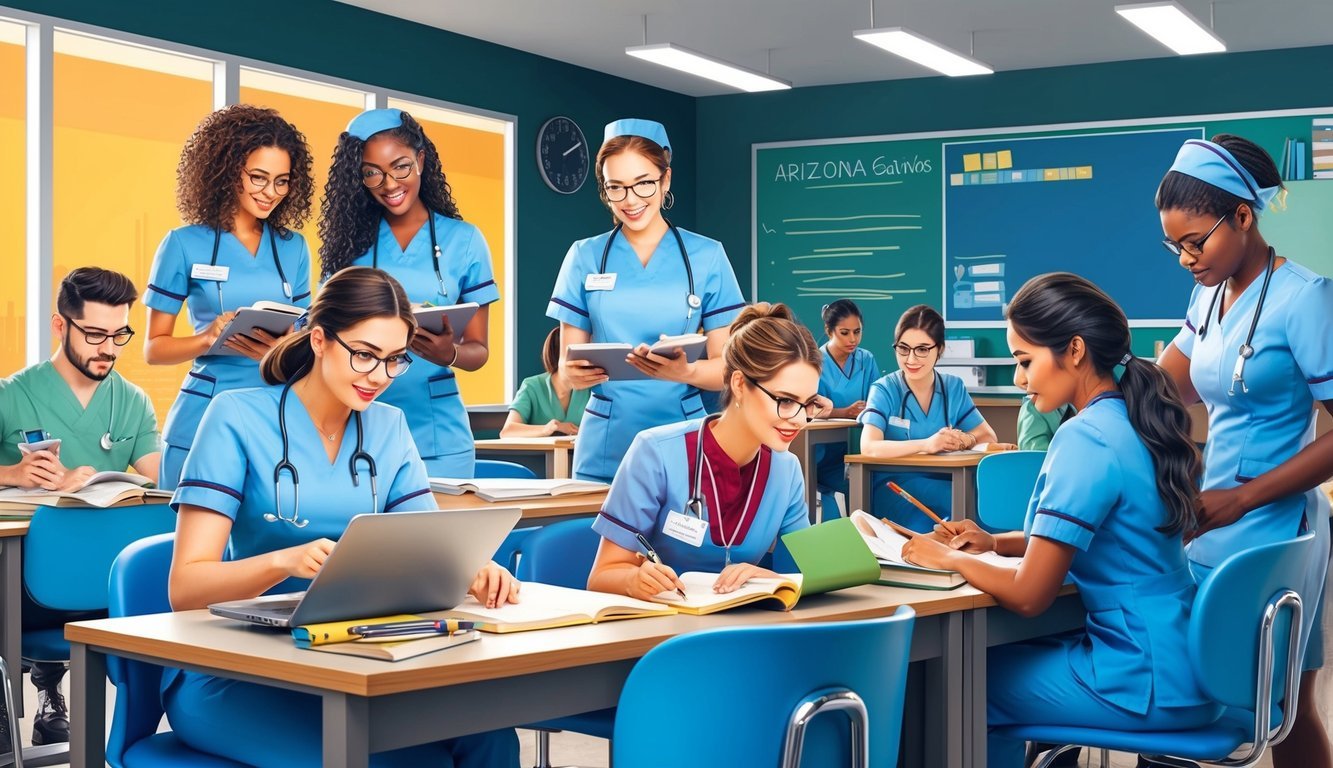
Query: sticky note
pixel 1083 172
pixel 1004 159
pixel 972 162
pixel 988 161
pixel 1051 174
pixel 955 179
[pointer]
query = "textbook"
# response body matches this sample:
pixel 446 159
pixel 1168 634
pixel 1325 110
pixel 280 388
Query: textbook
pixel 432 318
pixel 887 544
pixel 270 316
pixel 700 599
pixel 511 488
pixel 103 489
pixel 333 637
pixel 546 606
pixel 978 448
pixel 611 356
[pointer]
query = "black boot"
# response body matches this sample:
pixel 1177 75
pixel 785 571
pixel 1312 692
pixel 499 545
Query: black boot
pixel 50 725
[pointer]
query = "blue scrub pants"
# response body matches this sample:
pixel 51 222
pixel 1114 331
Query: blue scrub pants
pixel 832 474
pixel 1032 683
pixel 263 726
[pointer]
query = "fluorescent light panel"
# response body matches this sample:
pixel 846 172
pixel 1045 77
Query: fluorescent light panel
pixel 1172 26
pixel 699 65
pixel 922 50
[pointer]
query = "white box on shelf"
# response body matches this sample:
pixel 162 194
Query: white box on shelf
pixel 972 375
pixel 959 348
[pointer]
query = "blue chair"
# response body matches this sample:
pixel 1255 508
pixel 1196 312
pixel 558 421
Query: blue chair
pixel 562 554
pixel 494 468
pixel 138 586
pixel 1245 650
pixel 1005 482
pixel 737 690
pixel 508 553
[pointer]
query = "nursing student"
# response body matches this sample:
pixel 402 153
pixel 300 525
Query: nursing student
pixel 1115 495
pixel 243 186
pixel 644 279
pixel 713 494
pixel 917 409
pixel 845 379
pixel 546 404
pixel 388 205
pixel 355 455
pixel 1257 351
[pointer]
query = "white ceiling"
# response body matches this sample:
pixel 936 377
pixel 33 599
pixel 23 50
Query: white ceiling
pixel 810 41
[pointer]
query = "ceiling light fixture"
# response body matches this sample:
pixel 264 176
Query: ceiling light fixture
pixel 699 65
pixel 922 50
pixel 1172 26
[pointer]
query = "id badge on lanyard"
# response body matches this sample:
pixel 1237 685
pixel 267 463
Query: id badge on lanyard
pixel 686 528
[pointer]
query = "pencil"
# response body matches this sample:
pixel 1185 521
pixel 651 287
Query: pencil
pixel 898 490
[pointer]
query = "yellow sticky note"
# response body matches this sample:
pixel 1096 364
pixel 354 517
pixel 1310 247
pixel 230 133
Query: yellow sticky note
pixel 1051 174
pixel 972 162
pixel 1004 159
pixel 1083 172
pixel 988 161
pixel 955 179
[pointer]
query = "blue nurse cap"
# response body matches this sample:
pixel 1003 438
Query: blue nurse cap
pixel 372 121
pixel 1212 164
pixel 633 126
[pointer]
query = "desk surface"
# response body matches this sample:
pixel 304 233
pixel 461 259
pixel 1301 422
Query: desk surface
pixel 921 460
pixel 552 506
pixel 13 528
pixel 526 444
pixel 821 424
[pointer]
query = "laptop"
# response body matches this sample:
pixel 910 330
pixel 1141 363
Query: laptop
pixel 386 564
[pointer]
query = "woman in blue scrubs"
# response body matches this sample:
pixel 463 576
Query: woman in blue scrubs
pixel 919 410
pixel 845 379
pixel 244 186
pixel 644 279
pixel 331 374
pixel 749 489
pixel 388 205
pixel 1263 465
pixel 1116 532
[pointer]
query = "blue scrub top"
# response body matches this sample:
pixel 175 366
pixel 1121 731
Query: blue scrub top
pixel 654 480
pixel 1097 492
pixel 428 393
pixel 1252 433
pixel 895 411
pixel 843 385
pixel 251 278
pixel 647 301
pixel 230 471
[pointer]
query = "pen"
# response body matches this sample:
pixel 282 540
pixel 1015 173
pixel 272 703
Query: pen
pixel 425 626
pixel 651 554
pixel 898 490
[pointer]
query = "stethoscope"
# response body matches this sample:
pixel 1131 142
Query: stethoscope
pixel 435 253
pixel 696 501
pixel 907 392
pixel 107 440
pixel 692 300
pixel 273 246
pixel 1246 350
pixel 286 465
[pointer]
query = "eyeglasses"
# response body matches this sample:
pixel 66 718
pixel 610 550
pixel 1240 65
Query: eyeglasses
pixel 96 338
pixel 919 351
pixel 642 190
pixel 1192 248
pixel 373 178
pixel 788 408
pixel 281 185
pixel 363 361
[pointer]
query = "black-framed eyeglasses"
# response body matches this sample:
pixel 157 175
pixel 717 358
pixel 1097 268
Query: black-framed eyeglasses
pixel 281 185
pixel 96 338
pixel 1192 248
pixel 919 351
pixel 364 361
pixel 788 408
pixel 642 189
pixel 373 178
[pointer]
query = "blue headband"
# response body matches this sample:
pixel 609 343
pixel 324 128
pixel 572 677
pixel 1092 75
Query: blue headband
pixel 1213 164
pixel 372 121
pixel 633 126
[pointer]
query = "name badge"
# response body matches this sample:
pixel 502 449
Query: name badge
pixel 686 528
pixel 212 272
pixel 895 421
pixel 601 281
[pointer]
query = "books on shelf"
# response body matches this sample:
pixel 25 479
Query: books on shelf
pixel 432 318
pixel 1321 147
pixel 546 606
pixel 103 489
pixel 268 316
pixel 886 542
pixel 512 488
pixel 333 637
pixel 610 356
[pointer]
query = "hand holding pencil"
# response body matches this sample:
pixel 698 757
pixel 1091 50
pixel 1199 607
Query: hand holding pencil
pixel 940 522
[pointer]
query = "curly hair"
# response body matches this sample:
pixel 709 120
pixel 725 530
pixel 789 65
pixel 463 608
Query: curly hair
pixel 208 177
pixel 349 215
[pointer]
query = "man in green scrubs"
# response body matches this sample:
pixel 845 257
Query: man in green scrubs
pixel 103 422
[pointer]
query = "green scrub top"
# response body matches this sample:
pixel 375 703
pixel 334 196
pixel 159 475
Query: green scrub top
pixel 37 398
pixel 1035 429
pixel 536 402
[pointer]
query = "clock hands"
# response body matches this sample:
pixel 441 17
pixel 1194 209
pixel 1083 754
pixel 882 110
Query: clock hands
pixel 571 149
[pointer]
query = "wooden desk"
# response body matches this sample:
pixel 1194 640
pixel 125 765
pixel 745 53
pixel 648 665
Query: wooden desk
pixel 818 432
pixel 961 469
pixel 11 592
pixel 545 510
pixel 557 454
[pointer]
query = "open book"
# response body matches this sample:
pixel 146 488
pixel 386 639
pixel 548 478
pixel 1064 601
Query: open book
pixel 979 448
pixel 511 488
pixel 781 593
pixel 270 316
pixel 886 540
pixel 333 637
pixel 458 315
pixel 611 356
pixel 103 489
pixel 546 606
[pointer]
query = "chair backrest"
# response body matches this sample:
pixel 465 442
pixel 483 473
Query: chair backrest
pixel 512 547
pixel 493 468
pixel 1005 482
pixel 746 683
pixel 560 553
pixel 68 551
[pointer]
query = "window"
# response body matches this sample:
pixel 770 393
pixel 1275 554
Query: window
pixel 13 209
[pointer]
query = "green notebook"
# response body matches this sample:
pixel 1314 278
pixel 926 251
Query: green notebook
pixel 831 556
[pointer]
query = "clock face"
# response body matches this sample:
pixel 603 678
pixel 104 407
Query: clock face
pixel 562 155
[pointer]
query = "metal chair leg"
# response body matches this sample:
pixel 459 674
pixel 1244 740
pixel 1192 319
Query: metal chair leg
pixel 828 701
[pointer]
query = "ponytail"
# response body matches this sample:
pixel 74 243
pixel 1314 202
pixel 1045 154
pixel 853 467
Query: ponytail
pixel 764 339
pixel 289 359
pixel 1162 423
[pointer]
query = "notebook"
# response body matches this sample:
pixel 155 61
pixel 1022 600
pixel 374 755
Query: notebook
pixel 333 637
pixel 102 490
pixel 546 606
pixel 512 488
pixel 611 356
pixel 887 545
pixel 700 599
pixel 270 316
pixel 432 318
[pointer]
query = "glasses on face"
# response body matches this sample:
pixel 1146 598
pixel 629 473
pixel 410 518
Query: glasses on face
pixel 788 408
pixel 373 177
pixel 97 338
pixel 1192 248
pixel 920 351
pixel 642 190
pixel 363 361
pixel 258 181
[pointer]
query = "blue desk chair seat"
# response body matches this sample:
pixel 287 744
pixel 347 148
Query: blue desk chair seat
pixel 1005 482
pixel 508 553
pixel 495 468
pixel 755 695
pixel 1245 651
